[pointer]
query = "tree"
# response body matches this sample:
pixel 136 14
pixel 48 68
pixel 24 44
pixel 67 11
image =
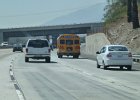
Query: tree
pixel 135 18
pixel 129 11
pixel 114 10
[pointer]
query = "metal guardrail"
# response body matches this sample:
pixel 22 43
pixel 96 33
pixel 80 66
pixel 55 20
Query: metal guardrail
pixel 136 58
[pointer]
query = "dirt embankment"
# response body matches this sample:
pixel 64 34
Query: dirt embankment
pixel 122 33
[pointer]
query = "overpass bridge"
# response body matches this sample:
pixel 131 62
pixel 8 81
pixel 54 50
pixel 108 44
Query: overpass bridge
pixel 84 28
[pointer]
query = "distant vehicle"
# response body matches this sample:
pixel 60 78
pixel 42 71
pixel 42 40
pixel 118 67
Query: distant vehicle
pixel 69 45
pixel 114 55
pixel 4 44
pixel 37 49
pixel 17 47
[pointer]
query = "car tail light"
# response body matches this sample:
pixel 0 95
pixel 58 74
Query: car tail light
pixel 26 50
pixel 109 55
pixel 130 55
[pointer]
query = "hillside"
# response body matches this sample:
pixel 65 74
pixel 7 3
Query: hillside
pixel 122 33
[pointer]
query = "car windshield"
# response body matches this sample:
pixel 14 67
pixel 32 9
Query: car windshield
pixel 38 43
pixel 117 48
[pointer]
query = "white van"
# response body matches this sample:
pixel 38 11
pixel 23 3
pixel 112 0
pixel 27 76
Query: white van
pixel 37 49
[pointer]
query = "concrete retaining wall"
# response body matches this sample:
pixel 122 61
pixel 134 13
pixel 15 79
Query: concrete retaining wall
pixel 94 43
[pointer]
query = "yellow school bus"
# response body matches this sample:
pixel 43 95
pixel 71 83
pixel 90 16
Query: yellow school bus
pixel 69 45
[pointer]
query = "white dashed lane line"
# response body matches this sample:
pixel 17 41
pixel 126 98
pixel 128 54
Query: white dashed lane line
pixel 19 93
pixel 16 85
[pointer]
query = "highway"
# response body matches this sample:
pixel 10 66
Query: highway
pixel 74 79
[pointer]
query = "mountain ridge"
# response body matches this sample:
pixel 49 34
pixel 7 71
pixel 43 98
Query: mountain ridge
pixel 94 13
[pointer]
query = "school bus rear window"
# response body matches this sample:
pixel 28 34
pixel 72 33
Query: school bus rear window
pixel 76 42
pixel 69 42
pixel 62 41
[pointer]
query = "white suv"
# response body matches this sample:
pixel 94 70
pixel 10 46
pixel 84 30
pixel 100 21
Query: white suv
pixel 37 49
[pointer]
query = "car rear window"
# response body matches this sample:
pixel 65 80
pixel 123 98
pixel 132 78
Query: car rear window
pixel 38 43
pixel 17 45
pixel 117 48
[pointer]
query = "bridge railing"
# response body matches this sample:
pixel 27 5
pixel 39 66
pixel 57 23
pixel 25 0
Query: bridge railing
pixel 96 30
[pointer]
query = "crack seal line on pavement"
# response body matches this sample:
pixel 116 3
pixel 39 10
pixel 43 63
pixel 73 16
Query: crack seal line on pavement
pixel 100 78
pixel 16 85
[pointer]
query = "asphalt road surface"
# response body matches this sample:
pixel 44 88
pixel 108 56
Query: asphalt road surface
pixel 75 79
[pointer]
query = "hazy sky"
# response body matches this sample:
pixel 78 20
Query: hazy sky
pixel 22 13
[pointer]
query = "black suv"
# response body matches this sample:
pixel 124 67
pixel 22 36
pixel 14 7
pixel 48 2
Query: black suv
pixel 17 47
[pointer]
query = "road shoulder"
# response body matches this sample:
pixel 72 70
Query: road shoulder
pixel 7 90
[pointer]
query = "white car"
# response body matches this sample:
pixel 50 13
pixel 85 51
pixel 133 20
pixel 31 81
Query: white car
pixel 37 49
pixel 4 44
pixel 114 55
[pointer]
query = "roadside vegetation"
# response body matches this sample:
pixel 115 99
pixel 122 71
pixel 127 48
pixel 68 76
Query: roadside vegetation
pixel 122 23
pixel 116 10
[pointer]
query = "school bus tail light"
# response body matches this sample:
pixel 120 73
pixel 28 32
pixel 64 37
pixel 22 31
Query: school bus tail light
pixel 61 47
pixel 77 47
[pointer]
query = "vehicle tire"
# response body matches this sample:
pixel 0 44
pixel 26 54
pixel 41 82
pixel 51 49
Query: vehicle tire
pixel 129 67
pixel 60 56
pixel 104 66
pixel 76 56
pixel 98 66
pixel 26 59
pixel 121 67
pixel 47 60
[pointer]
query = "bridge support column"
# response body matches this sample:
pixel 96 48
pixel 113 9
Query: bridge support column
pixel 1 36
